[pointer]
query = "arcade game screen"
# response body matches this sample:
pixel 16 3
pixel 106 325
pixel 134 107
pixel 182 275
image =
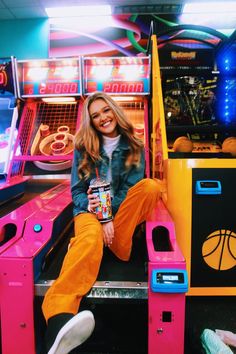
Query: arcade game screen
pixel 199 104
pixel 190 106
pixel 49 78
pixel 190 100
pixel 117 75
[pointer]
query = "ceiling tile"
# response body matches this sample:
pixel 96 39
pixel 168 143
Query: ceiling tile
pixel 2 6
pixel 35 8
pixel 20 3
pixel 6 14
pixel 28 12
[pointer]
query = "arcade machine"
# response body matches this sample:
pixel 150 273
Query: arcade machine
pixel 31 233
pixel 127 80
pixel 47 90
pixel 22 262
pixel 195 153
pixel 12 182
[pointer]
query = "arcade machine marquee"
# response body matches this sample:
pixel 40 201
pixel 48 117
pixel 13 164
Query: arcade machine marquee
pixel 195 154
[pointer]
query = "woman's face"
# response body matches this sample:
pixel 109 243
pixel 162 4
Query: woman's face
pixel 103 118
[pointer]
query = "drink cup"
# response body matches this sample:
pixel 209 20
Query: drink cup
pixel 102 190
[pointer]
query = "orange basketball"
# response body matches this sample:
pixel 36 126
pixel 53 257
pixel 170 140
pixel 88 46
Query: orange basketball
pixel 183 144
pixel 230 138
pixel 219 250
pixel 229 145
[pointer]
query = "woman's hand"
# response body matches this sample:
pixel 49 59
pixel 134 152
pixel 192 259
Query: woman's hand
pixel 108 233
pixel 93 201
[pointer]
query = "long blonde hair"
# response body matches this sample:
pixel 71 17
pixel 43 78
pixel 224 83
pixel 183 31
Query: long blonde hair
pixel 88 139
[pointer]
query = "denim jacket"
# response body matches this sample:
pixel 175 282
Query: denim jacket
pixel 122 178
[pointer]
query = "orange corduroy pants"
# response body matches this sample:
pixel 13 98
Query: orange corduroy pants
pixel 82 261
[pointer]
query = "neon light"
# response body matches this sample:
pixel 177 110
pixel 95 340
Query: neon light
pixel 81 11
pixel 209 7
pixel 131 72
pixel 68 72
pixel 3 78
pixel 37 73
pixel 101 72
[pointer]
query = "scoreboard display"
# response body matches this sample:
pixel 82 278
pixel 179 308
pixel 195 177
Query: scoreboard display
pixel 48 78
pixel 117 75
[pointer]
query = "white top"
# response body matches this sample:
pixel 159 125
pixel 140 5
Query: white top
pixel 110 145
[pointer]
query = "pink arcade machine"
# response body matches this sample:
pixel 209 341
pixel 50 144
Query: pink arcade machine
pixel 127 79
pixel 51 90
pixel 52 93
pixel 12 182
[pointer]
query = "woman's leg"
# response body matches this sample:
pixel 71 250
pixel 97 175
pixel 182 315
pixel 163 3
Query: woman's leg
pixel 136 208
pixel 79 270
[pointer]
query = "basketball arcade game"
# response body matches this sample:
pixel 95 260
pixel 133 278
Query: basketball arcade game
pixel 12 183
pixel 31 231
pixel 199 168
pixel 127 82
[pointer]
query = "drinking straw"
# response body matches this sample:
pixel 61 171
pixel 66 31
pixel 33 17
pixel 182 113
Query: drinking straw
pixel 97 173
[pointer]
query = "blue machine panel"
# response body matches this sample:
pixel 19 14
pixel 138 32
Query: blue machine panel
pixel 208 187
pixel 169 281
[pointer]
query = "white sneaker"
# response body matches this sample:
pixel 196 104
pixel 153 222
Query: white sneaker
pixel 73 333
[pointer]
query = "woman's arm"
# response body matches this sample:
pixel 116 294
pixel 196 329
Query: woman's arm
pixel 79 187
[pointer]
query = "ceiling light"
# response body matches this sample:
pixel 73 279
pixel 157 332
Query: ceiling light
pixel 209 7
pixel 59 100
pixel 122 98
pixel 214 20
pixel 75 11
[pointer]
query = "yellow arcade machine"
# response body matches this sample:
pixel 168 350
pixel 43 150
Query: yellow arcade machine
pixel 194 150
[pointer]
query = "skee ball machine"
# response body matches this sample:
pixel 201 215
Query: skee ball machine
pixel 195 152
pixel 127 80
pixel 52 93
pixel 12 182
